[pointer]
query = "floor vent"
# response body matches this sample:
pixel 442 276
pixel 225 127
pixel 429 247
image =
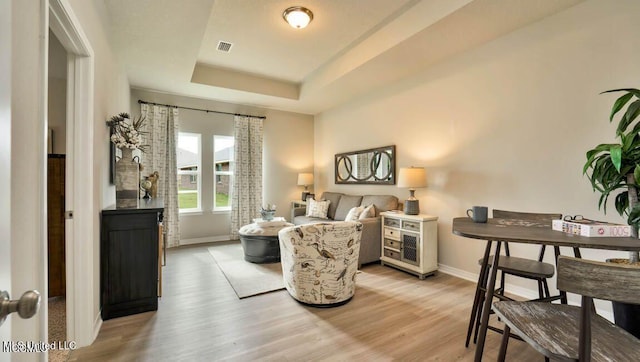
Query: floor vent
pixel 224 46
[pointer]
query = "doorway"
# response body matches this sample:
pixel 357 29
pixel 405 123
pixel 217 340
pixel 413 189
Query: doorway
pixel 56 170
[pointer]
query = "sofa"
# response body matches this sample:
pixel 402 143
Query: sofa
pixel 339 206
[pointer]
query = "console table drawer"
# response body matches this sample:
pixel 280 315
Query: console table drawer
pixel 395 244
pixel 391 233
pixel 391 254
pixel 411 225
pixel 395 223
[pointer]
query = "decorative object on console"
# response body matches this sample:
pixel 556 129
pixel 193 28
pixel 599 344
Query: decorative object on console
pixel 412 178
pixel 154 177
pixel 267 212
pixel 297 16
pixel 305 179
pixel 145 185
pixel 126 135
pixel 373 166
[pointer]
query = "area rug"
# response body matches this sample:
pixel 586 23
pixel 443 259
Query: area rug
pixel 247 279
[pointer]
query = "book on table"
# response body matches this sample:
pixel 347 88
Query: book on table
pixel 591 228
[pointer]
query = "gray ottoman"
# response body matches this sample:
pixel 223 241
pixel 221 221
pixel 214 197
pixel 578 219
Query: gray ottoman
pixel 260 241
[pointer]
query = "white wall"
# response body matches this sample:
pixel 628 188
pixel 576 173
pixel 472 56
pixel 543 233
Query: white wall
pixel 57 87
pixel 504 125
pixel 288 149
pixel 111 96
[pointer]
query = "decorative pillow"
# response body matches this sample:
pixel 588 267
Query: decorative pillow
pixel 354 213
pixel 367 212
pixel 317 208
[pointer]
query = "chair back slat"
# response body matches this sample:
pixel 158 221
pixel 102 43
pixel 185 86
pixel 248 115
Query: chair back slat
pixel 608 281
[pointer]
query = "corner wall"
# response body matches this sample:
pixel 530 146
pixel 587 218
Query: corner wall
pixel 287 150
pixel 504 125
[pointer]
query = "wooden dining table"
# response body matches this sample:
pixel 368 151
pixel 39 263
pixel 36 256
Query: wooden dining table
pixel 498 231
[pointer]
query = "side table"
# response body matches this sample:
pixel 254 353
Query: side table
pixel 260 240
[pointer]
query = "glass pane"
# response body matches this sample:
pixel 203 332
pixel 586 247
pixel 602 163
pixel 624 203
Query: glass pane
pixel 223 191
pixel 188 152
pixel 223 153
pixel 188 191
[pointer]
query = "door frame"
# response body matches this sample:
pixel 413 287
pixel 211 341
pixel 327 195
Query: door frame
pixel 82 325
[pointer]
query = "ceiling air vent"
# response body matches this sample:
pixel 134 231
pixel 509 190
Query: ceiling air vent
pixel 224 46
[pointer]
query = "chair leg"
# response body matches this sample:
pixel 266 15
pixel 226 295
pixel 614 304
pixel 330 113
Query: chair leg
pixel 546 288
pixel 474 308
pixel 480 306
pixel 540 290
pixel 482 283
pixel 503 345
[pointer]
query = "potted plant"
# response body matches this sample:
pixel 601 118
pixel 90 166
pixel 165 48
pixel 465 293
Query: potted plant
pixel 615 168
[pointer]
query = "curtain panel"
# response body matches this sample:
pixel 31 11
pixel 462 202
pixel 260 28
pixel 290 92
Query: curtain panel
pixel 246 199
pixel 161 136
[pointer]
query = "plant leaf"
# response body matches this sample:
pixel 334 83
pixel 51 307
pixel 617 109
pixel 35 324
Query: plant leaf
pixel 616 156
pixel 620 102
pixel 635 91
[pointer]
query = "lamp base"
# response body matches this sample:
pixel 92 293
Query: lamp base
pixel 304 195
pixel 411 207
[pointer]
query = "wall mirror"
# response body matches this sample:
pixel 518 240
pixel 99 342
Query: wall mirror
pixel 372 166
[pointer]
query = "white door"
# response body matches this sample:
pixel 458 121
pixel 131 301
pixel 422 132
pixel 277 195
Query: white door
pixel 5 156
pixel 23 44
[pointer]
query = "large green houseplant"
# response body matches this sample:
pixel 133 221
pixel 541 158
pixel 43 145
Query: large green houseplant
pixel 615 168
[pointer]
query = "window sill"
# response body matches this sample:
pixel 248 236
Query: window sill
pixel 191 212
pixel 220 211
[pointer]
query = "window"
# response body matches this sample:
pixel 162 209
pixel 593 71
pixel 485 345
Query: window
pixel 222 172
pixel 188 160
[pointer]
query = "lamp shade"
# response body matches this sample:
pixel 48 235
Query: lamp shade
pixel 297 16
pixel 412 177
pixel 305 179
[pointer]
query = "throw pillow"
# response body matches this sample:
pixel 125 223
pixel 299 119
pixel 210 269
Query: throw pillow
pixel 369 211
pixel 317 208
pixel 354 213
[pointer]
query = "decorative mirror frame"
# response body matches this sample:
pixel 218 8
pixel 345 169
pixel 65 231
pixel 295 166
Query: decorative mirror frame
pixel 388 178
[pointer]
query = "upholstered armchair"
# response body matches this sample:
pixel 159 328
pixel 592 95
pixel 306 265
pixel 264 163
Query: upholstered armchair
pixel 320 262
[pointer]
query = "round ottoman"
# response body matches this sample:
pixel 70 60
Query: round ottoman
pixel 260 240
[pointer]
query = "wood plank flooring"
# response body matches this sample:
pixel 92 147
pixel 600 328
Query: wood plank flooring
pixel 393 316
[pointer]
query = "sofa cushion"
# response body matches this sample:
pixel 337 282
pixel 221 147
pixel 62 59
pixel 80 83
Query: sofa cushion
pixel 301 220
pixel 381 202
pixel 354 213
pixel 334 197
pixel 317 208
pixel 347 202
pixel 368 211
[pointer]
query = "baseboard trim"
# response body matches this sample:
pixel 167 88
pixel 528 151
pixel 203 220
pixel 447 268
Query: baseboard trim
pixel 96 327
pixel 208 239
pixel 458 273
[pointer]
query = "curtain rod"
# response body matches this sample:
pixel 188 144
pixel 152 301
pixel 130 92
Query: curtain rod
pixel 199 109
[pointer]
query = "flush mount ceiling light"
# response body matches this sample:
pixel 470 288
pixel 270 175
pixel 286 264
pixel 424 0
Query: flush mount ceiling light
pixel 297 16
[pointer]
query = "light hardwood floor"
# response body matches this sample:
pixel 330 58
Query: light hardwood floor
pixel 393 316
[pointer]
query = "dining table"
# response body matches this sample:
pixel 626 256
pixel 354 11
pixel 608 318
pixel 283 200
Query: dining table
pixel 498 231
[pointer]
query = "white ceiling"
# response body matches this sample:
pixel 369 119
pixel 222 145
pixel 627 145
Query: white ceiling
pixel 350 47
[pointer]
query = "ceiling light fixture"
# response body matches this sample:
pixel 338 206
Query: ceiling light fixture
pixel 298 17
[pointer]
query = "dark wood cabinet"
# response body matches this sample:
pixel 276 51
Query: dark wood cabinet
pixel 129 259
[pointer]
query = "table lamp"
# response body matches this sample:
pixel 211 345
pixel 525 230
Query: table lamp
pixel 412 178
pixel 305 179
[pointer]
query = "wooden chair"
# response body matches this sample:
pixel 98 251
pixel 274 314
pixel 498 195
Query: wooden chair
pixel 515 266
pixel 570 333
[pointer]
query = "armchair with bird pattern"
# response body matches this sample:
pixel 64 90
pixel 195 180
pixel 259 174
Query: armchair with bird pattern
pixel 320 262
